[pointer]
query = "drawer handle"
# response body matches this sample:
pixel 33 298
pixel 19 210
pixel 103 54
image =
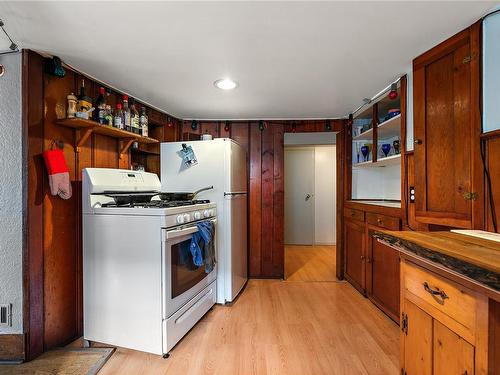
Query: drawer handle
pixel 435 292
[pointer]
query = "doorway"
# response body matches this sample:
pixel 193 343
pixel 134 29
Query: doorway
pixel 310 207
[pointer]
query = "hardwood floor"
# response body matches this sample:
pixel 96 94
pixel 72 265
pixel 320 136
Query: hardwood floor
pixel 310 263
pixel 280 328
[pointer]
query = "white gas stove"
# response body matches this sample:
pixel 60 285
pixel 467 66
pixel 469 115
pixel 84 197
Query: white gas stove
pixel 141 287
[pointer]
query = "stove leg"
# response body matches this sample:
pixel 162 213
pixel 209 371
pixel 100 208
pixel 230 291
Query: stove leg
pixel 87 343
pixel 165 356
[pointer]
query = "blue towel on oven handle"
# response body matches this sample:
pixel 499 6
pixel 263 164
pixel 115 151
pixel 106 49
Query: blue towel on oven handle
pixel 203 246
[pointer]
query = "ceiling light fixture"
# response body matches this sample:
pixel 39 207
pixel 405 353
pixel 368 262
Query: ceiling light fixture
pixel 225 84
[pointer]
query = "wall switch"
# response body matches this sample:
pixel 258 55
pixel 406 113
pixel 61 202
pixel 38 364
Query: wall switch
pixel 6 315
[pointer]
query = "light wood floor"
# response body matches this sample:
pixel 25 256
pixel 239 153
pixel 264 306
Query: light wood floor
pixel 278 328
pixel 310 263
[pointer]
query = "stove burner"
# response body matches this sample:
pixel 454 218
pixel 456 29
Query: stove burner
pixel 157 204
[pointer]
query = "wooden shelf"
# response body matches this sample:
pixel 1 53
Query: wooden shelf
pixel 390 128
pixel 387 129
pixel 88 127
pixel 365 136
pixel 382 162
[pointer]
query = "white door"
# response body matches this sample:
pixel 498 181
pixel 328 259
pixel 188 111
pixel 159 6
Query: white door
pixel 325 195
pixel 299 196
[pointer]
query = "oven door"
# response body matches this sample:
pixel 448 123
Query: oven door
pixel 181 279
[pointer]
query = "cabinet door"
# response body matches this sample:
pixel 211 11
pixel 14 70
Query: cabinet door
pixel 354 254
pixel 452 354
pixel 416 339
pixel 446 124
pixel 382 277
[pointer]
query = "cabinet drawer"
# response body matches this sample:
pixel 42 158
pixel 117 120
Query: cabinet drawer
pixel 453 300
pixel 383 221
pixel 354 214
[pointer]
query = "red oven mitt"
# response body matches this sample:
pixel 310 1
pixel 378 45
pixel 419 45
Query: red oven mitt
pixel 59 181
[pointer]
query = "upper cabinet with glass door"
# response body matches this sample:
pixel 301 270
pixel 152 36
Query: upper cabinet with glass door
pixel 376 146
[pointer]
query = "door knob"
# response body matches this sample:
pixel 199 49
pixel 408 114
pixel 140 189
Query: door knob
pixel 417 141
pixel 308 196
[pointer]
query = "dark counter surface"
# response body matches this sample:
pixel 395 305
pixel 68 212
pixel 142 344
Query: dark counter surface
pixel 475 258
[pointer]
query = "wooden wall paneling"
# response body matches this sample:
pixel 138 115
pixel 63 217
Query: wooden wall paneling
pixel 267 191
pixel 170 131
pixel 187 129
pixel 223 133
pixel 209 127
pixel 32 114
pixel 340 173
pixel 413 224
pixel 278 202
pixel 347 142
pixel 492 161
pixel 255 201
pixel 240 132
pixel 478 206
pixel 402 142
pixel 60 226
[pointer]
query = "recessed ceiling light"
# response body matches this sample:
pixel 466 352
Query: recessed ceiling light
pixel 225 84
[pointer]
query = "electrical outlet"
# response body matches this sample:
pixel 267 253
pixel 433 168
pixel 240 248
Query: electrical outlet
pixel 412 194
pixel 6 315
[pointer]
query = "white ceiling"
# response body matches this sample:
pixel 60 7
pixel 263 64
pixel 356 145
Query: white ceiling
pixel 291 59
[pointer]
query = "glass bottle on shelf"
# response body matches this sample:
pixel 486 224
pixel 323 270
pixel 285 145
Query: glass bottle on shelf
pixel 126 114
pixel 84 102
pixel 109 115
pixel 143 120
pixel 100 107
pixel 118 117
pixel 134 117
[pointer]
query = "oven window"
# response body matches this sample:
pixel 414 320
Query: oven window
pixel 185 274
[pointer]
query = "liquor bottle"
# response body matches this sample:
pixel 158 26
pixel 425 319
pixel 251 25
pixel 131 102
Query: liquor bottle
pixel 126 114
pixel 134 117
pixel 143 121
pixel 118 118
pixel 100 107
pixel 84 102
pixel 109 115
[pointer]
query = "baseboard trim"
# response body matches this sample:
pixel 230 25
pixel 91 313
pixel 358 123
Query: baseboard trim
pixel 12 348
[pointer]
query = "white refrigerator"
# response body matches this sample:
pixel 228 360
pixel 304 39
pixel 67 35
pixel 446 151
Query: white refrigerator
pixel 222 163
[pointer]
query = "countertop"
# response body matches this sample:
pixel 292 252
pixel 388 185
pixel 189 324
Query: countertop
pixel 476 258
pixel 379 203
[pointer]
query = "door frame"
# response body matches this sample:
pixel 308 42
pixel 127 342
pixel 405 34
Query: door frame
pixel 339 127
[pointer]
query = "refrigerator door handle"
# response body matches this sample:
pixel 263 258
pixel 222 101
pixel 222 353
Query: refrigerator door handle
pixel 233 193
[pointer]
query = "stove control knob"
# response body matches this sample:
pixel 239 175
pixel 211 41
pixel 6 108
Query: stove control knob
pixel 197 215
pixel 180 219
pixel 187 218
pixel 206 213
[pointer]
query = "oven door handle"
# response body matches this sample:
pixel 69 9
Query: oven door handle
pixel 185 231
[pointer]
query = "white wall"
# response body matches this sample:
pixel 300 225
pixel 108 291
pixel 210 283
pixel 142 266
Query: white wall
pixel 11 198
pixel 377 183
pixel 325 193
pixel 491 73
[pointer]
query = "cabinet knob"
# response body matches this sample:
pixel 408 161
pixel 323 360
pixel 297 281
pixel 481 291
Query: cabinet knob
pixel 362 257
pixel 417 141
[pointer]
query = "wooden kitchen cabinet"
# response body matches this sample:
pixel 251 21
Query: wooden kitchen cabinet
pixel 444 325
pixel 354 240
pixel 382 276
pixel 448 180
